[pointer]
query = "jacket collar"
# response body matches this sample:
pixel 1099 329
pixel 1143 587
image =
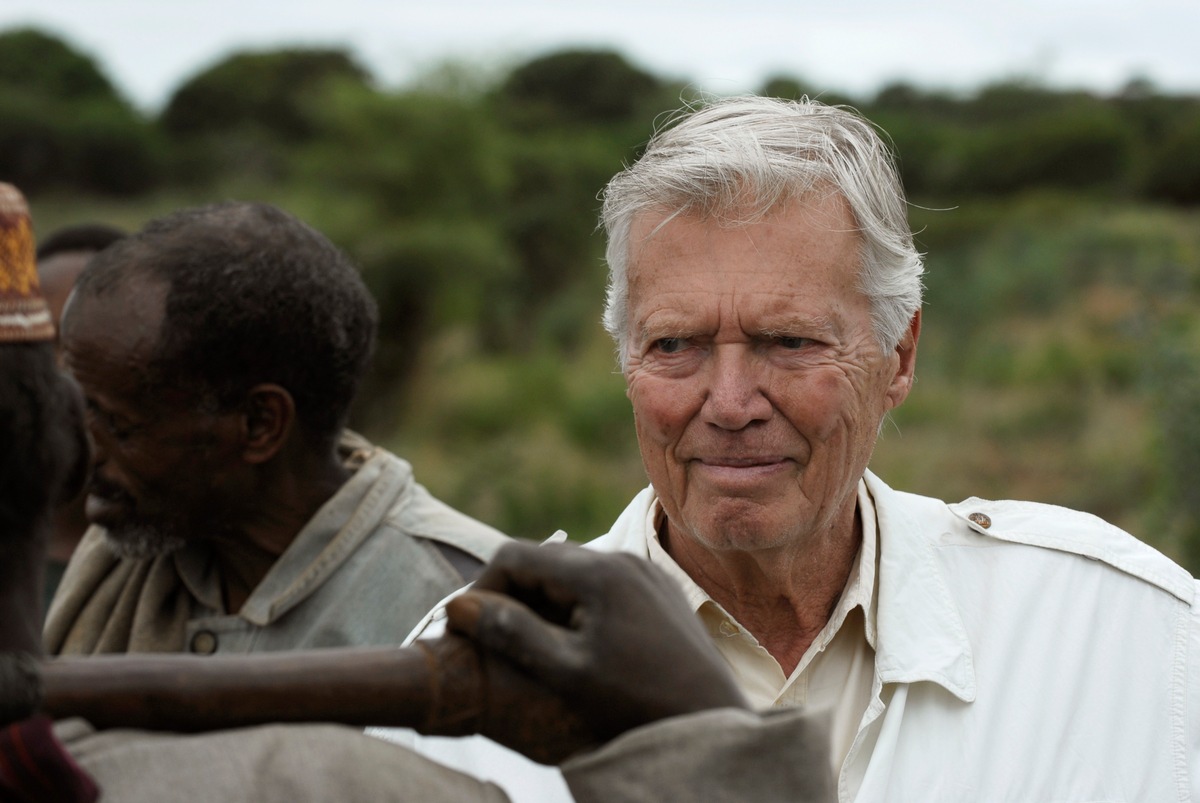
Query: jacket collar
pixel 338 528
pixel 921 635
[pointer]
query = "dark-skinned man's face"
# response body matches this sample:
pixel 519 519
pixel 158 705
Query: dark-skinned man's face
pixel 164 470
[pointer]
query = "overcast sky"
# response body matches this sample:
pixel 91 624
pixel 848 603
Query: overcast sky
pixel 148 47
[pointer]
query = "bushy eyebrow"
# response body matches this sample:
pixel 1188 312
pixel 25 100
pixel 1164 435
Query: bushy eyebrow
pixel 808 325
pixel 663 327
pixel 126 416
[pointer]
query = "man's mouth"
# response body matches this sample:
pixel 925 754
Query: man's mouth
pixel 731 473
pixel 742 462
pixel 107 504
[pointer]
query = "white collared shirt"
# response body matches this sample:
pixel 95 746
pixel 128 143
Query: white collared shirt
pixel 834 675
pixel 1022 653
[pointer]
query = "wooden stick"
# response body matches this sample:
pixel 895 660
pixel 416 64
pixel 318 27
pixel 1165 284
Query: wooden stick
pixel 436 687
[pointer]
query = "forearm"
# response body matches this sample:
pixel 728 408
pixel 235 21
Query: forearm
pixel 435 687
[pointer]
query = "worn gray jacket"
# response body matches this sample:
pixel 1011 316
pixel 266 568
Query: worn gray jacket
pixel 374 558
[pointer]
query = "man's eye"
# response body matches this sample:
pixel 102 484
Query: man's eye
pixel 670 345
pixel 793 342
pixel 117 429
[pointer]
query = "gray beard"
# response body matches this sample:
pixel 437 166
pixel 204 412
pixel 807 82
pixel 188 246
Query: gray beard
pixel 142 541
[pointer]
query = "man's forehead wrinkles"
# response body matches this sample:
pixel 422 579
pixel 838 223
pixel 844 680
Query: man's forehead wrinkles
pixel 666 321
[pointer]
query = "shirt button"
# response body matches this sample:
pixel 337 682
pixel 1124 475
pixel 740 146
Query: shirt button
pixel 982 519
pixel 204 642
pixel 727 629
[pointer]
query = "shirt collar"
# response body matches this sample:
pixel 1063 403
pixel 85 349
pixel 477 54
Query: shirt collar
pixel 920 632
pixel 911 617
pixel 321 546
pixel 860 585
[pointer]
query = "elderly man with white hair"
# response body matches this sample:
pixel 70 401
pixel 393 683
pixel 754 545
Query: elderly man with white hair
pixel 765 297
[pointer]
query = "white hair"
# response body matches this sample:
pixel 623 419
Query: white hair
pixel 734 160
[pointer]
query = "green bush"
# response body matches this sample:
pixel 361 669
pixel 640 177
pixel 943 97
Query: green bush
pixel 270 91
pixel 40 64
pixel 579 86
pixel 1087 149
pixel 411 153
pixel 63 125
pixel 1174 170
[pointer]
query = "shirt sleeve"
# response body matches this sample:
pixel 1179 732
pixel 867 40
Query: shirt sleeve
pixel 720 755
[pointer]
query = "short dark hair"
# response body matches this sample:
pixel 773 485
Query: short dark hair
pixel 80 237
pixel 254 295
pixel 43 448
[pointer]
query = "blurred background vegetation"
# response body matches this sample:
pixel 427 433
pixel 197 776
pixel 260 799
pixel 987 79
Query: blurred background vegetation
pixel 1060 359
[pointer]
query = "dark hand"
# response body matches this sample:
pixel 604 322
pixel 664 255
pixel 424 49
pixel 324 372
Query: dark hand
pixel 585 646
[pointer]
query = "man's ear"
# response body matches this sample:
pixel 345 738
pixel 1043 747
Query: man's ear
pixel 906 350
pixel 268 422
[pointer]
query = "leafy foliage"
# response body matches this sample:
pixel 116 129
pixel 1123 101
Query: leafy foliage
pixel 271 91
pixel 63 124
pixel 1174 171
pixel 37 63
pixel 580 86
pixel 244 115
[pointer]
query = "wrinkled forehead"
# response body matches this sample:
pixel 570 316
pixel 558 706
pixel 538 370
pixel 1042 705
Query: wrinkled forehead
pixel 119 330
pixel 815 214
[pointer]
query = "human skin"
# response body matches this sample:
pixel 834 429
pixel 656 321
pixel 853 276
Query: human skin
pixel 170 466
pixel 580 646
pixel 150 446
pixel 758 388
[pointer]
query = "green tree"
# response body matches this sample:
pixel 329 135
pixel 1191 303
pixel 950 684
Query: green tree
pixel 413 184
pixel 62 123
pixel 270 91
pixel 1089 147
pixel 791 88
pixel 580 86
pixel 1174 168
pixel 243 115
pixel 39 63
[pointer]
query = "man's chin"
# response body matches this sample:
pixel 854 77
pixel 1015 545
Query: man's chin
pixel 141 541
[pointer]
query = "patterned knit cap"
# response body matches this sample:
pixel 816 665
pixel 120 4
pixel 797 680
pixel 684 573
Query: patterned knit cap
pixel 24 316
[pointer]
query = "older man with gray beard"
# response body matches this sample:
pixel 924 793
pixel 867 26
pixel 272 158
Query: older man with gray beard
pixel 219 350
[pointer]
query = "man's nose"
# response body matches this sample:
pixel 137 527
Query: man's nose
pixel 736 394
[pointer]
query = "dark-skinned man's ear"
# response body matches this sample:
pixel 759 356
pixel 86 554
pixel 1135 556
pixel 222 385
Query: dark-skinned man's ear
pixel 270 416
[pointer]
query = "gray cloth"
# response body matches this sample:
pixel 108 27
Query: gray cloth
pixel 714 756
pixel 362 572
pixel 720 756
pixel 269 764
